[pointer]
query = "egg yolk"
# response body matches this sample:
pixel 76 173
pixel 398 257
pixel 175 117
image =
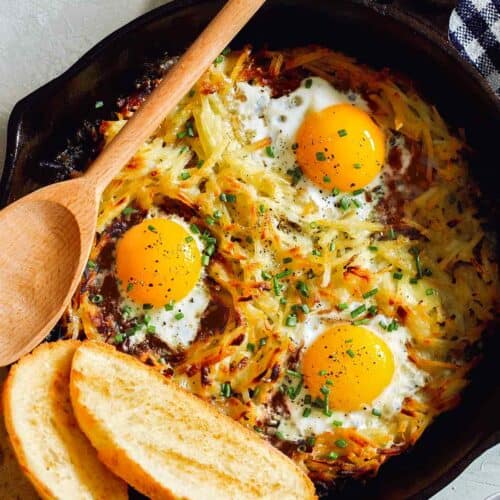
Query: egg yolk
pixel 348 364
pixel 340 147
pixel 157 261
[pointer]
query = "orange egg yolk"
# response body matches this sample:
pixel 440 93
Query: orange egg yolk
pixel 340 147
pixel 157 261
pixel 348 364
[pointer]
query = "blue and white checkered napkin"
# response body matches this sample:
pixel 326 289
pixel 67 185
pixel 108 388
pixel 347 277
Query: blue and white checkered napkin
pixel 475 32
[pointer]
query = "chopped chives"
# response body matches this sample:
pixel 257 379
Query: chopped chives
pixel 181 135
pixel 343 306
pixel 225 389
pixel 99 104
pixel 189 239
pixel 308 83
pixel 307 411
pixel 293 373
pixel 303 288
pixel 169 306
pixel 291 320
pixel 96 299
pixel 358 192
pixel 152 228
pixel 276 286
pixel 128 210
pixel 345 203
pixel 320 156
pixel 322 373
pixel 200 163
pixel 91 264
pixel 326 179
pixel 359 322
pixel 146 307
pixel 359 310
pixel 337 423
pixel 151 329
pixel 179 315
pixel 210 220
pixel 350 353
pixel 262 209
pixel 376 413
pixel 429 291
pixel 194 228
pixel 205 259
pixel 287 260
pixel 311 440
pixel 265 275
pixel 372 248
pixel 284 274
pixel 185 175
pixel 262 342
pixel 391 234
pixel 341 443
pixel 371 293
pixel 413 281
pixel 373 310
pixel 397 275
pixel 332 456
pixel 335 191
pixel 342 132
pixel 392 326
pixel 270 151
pixel 316 252
pixel 120 337
pixel 250 347
pixel 357 166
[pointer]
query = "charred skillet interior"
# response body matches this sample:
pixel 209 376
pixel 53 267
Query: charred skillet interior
pixel 375 34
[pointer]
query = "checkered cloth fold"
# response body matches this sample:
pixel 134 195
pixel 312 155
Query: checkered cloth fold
pixel 475 31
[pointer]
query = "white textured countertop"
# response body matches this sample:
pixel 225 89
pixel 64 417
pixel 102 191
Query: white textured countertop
pixel 39 39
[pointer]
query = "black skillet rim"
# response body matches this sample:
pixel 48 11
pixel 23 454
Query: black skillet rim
pixel 414 21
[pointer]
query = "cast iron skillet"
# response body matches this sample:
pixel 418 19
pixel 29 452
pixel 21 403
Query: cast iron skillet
pixel 380 35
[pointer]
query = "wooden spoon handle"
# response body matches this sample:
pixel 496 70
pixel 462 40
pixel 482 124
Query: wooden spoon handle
pixel 177 83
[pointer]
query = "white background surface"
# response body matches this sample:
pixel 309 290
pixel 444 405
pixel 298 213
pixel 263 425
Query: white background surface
pixel 39 39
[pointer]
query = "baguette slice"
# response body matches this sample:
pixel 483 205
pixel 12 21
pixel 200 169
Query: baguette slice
pixel 168 443
pixel 52 451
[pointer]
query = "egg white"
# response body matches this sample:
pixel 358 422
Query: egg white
pixel 176 333
pixel 406 381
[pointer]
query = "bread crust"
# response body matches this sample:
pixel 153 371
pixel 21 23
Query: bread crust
pixel 57 357
pixel 116 457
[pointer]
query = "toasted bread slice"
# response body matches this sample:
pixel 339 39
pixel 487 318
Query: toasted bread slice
pixel 168 443
pixel 52 451
pixel 14 485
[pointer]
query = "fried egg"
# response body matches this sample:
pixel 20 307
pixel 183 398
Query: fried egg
pixel 326 135
pixel 363 371
pixel 159 266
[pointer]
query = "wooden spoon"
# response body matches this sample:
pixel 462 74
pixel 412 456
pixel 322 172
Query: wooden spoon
pixel 45 237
